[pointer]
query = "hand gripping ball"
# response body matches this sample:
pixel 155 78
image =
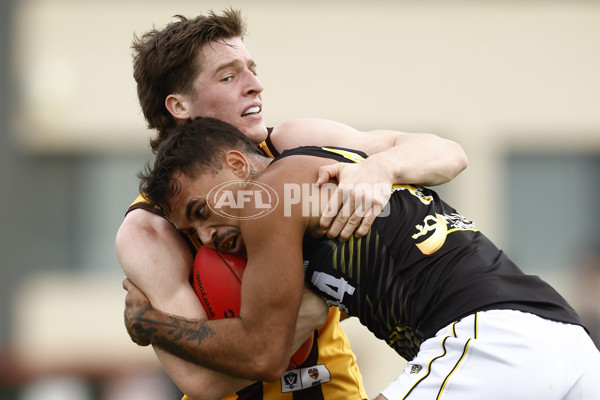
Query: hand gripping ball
pixel 217 279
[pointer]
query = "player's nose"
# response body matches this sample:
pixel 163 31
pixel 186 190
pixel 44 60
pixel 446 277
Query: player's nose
pixel 253 85
pixel 206 235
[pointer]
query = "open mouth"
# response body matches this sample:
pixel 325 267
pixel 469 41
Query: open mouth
pixel 251 111
pixel 230 245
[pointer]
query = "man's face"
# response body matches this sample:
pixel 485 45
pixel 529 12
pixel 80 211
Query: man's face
pixel 193 209
pixel 227 88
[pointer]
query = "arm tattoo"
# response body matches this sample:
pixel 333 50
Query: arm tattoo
pixel 173 334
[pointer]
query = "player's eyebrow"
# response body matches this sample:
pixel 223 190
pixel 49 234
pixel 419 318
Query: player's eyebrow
pixel 189 208
pixel 230 64
pixel 234 63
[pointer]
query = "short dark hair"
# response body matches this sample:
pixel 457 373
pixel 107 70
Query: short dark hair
pixel 193 148
pixel 167 61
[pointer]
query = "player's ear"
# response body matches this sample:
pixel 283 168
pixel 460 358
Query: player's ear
pixel 238 163
pixel 177 107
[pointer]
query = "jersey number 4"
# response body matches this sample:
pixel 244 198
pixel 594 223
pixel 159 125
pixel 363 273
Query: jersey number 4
pixel 332 288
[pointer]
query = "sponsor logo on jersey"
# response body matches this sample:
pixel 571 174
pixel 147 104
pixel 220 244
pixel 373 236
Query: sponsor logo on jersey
pixel 437 227
pixel 304 378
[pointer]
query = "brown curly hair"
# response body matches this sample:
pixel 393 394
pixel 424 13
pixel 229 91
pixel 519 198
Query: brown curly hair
pixel 167 61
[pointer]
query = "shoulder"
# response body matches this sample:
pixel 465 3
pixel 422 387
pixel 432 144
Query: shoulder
pixel 309 131
pixel 299 202
pixel 145 223
pixel 298 167
pixel 155 257
pixel 143 236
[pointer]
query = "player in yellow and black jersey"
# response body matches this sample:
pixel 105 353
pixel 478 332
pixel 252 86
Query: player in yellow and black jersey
pixel 329 372
pixel 423 278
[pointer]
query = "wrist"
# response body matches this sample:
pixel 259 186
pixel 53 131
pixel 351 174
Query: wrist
pixel 388 168
pixel 139 330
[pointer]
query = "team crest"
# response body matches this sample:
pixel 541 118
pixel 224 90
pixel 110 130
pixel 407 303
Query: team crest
pixel 415 369
pixel 313 373
pixel 302 378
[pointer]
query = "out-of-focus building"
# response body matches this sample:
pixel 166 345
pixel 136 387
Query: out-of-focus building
pixel 515 83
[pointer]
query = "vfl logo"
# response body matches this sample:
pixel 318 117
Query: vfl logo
pixel 291 379
pixel 303 378
pixel 229 196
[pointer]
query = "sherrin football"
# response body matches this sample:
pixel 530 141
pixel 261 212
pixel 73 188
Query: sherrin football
pixel 217 279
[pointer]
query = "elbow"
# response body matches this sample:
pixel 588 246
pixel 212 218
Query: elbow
pixel 456 163
pixel 460 164
pixel 462 161
pixel 270 366
pixel 200 393
pixel 204 393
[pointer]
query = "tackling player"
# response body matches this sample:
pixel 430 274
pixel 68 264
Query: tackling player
pixel 201 67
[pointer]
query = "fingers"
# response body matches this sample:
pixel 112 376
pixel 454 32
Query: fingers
pixel 352 209
pixel 342 214
pixel 336 201
pixel 366 222
pixel 358 224
pixel 327 172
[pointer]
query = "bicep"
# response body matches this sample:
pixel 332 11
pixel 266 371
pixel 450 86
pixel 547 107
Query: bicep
pixel 274 275
pixel 322 132
pixel 157 259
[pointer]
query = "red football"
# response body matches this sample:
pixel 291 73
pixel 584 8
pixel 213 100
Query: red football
pixel 217 281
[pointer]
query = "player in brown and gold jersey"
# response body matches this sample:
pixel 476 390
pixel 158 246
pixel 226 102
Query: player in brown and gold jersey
pixel 201 67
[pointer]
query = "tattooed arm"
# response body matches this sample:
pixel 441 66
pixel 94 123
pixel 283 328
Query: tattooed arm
pixel 147 325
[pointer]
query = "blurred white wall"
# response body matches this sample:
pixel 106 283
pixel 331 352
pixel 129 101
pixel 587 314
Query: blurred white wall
pixel 493 75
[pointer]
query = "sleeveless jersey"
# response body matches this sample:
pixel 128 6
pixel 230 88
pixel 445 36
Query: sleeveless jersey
pixel 421 267
pixel 329 373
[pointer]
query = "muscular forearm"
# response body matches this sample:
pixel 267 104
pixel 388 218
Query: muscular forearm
pixel 197 342
pixel 416 158
pixel 182 337
pixel 422 159
pixel 170 333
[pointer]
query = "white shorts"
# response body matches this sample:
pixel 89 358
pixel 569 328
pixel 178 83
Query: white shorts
pixel 502 354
